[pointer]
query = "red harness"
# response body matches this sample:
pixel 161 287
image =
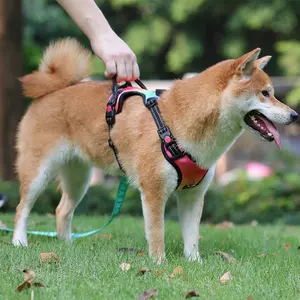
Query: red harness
pixel 189 173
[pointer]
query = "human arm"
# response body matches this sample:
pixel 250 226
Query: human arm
pixel 107 45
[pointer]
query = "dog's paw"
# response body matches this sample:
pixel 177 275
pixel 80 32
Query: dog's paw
pixel 17 242
pixel 20 240
pixel 158 259
pixel 195 256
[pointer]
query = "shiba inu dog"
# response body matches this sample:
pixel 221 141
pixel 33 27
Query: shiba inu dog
pixel 64 134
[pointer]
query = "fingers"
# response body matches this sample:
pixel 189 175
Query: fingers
pixel 126 69
pixel 111 69
pixel 129 70
pixel 135 71
pixel 121 71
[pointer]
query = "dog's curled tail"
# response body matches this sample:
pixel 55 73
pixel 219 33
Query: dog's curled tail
pixel 64 63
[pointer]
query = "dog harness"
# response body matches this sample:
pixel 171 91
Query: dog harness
pixel 189 173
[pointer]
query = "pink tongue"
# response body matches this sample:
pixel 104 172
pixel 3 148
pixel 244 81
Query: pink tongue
pixel 272 129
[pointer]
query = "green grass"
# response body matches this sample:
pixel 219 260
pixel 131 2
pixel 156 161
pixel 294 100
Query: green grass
pixel 89 268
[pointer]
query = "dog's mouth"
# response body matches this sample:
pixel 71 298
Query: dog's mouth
pixel 262 125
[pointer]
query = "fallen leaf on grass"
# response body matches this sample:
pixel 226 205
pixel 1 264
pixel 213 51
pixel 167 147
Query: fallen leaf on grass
pixel 225 225
pixel 249 298
pixel 264 254
pixel 143 270
pixel 2 224
pixel 226 277
pixel 125 266
pixel 132 251
pixel 48 256
pixel 177 271
pixel 287 246
pixel 29 276
pixel 148 294
pixel 191 294
pixel 38 284
pixel 104 236
pixel 21 287
pixel 226 256
pixel 160 272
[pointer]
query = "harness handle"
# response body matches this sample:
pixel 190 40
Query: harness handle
pixel 115 85
pixel 139 82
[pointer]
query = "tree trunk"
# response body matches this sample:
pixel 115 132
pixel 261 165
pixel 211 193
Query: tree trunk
pixel 11 103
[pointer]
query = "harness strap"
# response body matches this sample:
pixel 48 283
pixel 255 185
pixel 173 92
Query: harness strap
pixel 189 173
pixel 113 108
pixel 162 129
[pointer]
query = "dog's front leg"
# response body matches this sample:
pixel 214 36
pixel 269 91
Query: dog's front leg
pixel 153 210
pixel 190 205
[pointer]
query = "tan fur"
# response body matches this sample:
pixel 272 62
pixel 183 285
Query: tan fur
pixel 74 111
pixel 58 69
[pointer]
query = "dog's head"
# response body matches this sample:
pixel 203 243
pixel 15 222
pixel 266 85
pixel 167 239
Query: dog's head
pixel 251 98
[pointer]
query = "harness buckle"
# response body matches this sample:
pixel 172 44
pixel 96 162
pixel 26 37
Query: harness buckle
pixel 150 102
pixel 110 115
pixel 175 150
pixel 165 134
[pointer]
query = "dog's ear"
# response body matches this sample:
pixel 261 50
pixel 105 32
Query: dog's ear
pixel 262 62
pixel 246 63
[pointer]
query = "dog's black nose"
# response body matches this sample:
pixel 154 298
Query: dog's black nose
pixel 294 116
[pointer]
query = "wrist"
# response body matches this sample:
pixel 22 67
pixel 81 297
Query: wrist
pixel 103 36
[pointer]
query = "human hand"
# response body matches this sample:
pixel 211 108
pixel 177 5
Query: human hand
pixel 118 57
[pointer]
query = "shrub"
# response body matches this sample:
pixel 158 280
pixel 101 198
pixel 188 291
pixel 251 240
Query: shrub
pixel 273 198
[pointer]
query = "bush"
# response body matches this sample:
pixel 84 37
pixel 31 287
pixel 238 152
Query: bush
pixel 273 198
pixel 98 200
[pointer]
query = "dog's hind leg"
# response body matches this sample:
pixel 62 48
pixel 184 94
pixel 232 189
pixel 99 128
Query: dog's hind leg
pixel 190 211
pixel 74 177
pixel 34 174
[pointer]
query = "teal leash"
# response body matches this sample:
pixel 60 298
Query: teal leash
pixel 121 194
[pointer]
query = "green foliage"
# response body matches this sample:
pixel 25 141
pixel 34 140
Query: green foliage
pixel 289 60
pixel 182 52
pixel 178 36
pixel 267 200
pixel 270 199
pixel 257 15
pixel 139 38
pixel 181 10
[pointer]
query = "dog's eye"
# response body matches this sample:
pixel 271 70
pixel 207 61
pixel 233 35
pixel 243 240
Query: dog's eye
pixel 265 93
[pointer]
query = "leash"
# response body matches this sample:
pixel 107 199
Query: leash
pixel 120 197
pixel 122 189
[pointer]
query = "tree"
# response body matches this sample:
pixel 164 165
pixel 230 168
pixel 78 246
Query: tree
pixel 11 102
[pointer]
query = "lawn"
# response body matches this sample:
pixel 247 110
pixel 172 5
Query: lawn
pixel 267 263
